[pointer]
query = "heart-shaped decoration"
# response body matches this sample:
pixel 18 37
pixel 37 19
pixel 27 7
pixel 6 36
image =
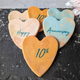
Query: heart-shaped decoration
pixel 62 30
pixel 19 30
pixel 35 12
pixel 39 55
pixel 59 15
pixel 17 15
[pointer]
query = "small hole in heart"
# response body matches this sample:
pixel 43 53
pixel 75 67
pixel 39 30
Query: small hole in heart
pixel 22 20
pixel 58 19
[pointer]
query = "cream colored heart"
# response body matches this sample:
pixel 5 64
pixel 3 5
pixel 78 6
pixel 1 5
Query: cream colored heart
pixel 17 15
pixel 19 30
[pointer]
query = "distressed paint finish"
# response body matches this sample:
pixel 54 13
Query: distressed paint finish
pixel 17 15
pixel 33 52
pixel 35 12
pixel 62 30
pixel 59 15
pixel 19 30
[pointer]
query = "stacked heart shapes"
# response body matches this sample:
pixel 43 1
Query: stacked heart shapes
pixel 60 25
pixel 57 26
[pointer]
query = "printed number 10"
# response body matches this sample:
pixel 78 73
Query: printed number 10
pixel 40 17
pixel 45 51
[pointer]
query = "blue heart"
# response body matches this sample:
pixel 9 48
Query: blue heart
pixel 59 15
pixel 62 30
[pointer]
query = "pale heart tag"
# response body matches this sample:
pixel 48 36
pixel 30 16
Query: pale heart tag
pixel 59 15
pixel 62 30
pixel 17 15
pixel 35 12
pixel 19 30
pixel 39 55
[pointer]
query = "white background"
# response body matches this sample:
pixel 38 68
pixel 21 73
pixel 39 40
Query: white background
pixel 28 3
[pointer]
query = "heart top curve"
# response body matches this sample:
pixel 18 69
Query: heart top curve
pixel 35 12
pixel 62 30
pixel 19 30
pixel 17 15
pixel 39 55
pixel 59 15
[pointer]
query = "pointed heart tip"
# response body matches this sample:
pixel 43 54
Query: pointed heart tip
pixel 39 55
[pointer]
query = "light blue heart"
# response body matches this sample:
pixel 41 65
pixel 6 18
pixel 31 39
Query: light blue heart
pixel 59 15
pixel 59 29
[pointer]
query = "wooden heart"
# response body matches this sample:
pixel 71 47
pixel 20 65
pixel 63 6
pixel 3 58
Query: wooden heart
pixel 19 30
pixel 35 12
pixel 59 15
pixel 62 30
pixel 39 55
pixel 17 15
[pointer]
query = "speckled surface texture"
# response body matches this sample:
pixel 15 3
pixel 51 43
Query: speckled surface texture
pixel 13 66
